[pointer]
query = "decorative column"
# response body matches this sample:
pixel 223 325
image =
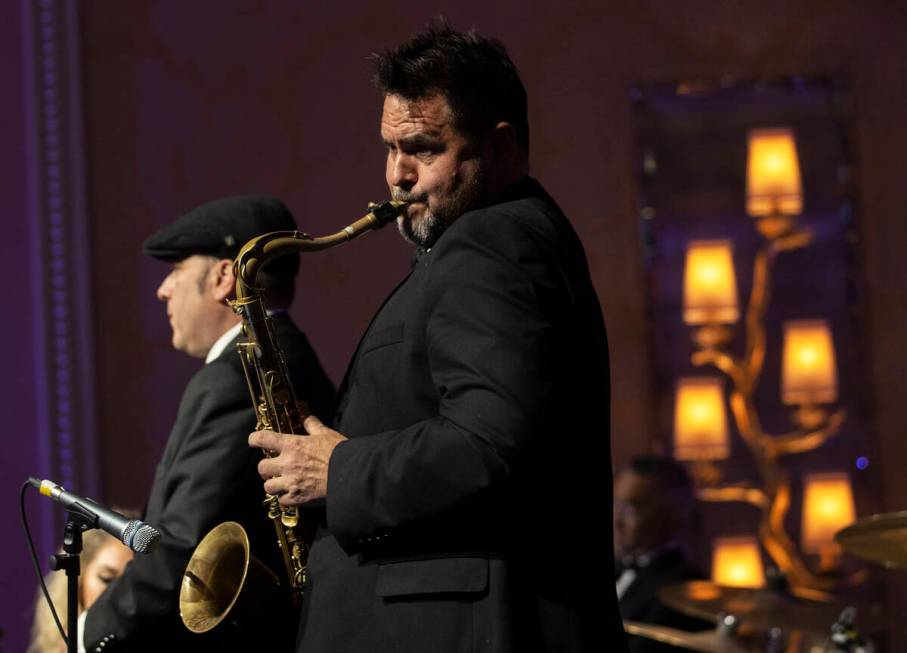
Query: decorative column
pixel 60 253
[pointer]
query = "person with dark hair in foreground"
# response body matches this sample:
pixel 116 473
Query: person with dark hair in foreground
pixel 655 517
pixel 467 484
pixel 207 474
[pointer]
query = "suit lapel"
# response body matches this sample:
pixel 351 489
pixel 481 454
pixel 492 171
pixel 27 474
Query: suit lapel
pixel 183 418
pixel 352 364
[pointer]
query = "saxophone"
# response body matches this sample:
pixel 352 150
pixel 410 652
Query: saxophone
pixel 222 568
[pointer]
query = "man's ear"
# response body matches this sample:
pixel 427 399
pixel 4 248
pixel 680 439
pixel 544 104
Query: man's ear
pixel 503 143
pixel 224 283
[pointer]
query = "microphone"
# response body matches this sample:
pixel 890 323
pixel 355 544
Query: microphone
pixel 135 534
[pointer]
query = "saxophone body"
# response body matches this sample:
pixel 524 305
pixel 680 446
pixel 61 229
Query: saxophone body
pixel 222 574
pixel 276 409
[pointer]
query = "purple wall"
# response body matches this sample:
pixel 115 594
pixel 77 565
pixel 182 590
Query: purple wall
pixel 21 456
pixel 185 104
pixel 188 101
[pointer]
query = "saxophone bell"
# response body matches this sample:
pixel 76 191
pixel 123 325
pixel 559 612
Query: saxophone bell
pixel 224 578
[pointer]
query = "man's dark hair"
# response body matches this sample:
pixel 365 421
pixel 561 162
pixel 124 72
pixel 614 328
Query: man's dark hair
pixel 671 476
pixel 472 72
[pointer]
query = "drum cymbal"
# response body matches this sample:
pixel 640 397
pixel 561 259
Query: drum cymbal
pixel 708 641
pixel 879 538
pixel 757 609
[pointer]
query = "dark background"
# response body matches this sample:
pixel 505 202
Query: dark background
pixel 184 102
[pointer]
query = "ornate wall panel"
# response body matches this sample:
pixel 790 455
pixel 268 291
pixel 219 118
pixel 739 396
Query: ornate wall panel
pixel 59 249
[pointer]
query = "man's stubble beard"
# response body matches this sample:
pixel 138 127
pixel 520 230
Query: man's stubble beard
pixel 434 222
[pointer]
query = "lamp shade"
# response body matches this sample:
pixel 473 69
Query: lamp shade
pixel 736 562
pixel 827 508
pixel 773 173
pixel 700 420
pixel 809 373
pixel 709 284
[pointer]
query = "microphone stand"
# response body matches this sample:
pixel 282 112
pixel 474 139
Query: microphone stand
pixel 68 561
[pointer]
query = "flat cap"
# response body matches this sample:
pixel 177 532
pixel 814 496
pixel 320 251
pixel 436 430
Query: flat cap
pixel 219 228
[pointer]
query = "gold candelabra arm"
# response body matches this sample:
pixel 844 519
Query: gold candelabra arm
pixel 814 426
pixel 799 237
pixel 741 493
pixel 800 442
pixel 748 425
pixel 760 296
pixel 723 361
pixel 780 547
pixel 774 508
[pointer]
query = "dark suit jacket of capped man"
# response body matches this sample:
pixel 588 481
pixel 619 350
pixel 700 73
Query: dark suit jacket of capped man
pixel 469 510
pixel 207 475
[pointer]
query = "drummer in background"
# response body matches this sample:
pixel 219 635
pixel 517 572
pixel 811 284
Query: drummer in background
pixel 655 514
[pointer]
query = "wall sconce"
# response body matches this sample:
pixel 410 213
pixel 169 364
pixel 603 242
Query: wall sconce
pixel 809 373
pixel 737 562
pixel 827 508
pixel 774 197
pixel 700 421
pixel 710 290
pixel 773 188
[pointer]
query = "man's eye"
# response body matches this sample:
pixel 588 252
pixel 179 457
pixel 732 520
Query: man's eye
pixel 421 148
pixel 429 151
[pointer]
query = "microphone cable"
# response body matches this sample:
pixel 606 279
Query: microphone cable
pixel 34 557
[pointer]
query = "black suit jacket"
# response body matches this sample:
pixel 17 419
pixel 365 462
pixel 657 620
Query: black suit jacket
pixel 640 601
pixel 470 508
pixel 207 475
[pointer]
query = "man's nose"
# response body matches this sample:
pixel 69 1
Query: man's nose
pixel 163 290
pixel 402 172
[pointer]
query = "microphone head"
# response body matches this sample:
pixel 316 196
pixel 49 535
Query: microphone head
pixel 140 537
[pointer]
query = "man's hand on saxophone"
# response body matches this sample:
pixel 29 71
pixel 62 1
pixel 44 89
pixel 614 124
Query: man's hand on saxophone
pixel 298 471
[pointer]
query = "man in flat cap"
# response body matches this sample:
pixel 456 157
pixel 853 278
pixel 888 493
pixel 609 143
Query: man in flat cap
pixel 207 474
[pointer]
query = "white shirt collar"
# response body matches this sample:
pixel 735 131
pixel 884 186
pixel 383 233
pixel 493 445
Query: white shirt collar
pixel 218 347
pixel 629 573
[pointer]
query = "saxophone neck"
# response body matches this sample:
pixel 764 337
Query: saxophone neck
pixel 256 253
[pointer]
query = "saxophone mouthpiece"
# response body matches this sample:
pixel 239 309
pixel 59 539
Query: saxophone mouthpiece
pixel 387 210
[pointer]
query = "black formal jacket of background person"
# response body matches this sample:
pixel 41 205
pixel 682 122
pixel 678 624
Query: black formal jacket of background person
pixel 470 508
pixel 640 601
pixel 207 475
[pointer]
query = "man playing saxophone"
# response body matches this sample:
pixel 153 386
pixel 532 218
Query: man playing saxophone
pixel 207 473
pixel 467 486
